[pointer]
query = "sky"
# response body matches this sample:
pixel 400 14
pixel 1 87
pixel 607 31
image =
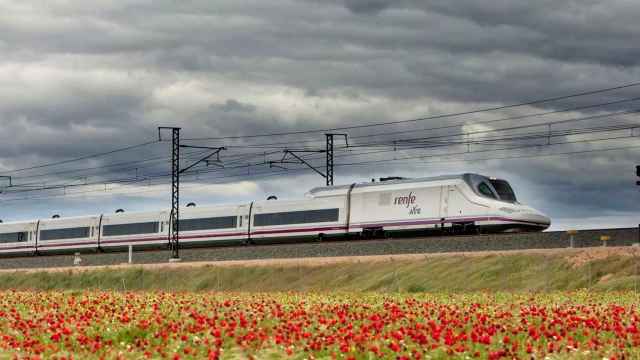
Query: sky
pixel 79 78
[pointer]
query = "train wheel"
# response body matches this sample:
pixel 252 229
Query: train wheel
pixel 372 233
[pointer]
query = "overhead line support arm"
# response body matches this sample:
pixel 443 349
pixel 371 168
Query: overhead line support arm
pixel 304 162
pixel 204 159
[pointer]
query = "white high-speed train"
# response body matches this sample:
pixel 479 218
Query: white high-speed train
pixel 467 203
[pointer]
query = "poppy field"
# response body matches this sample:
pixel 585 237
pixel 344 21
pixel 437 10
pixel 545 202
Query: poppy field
pixel 196 325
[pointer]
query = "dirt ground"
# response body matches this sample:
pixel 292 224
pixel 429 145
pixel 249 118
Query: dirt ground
pixel 576 257
pixel 580 258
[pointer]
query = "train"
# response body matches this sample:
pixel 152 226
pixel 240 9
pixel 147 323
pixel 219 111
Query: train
pixel 391 207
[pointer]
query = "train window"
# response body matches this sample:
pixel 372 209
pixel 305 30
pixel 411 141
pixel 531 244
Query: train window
pixel 13 237
pixel 224 222
pixel 485 190
pixel 130 229
pixel 296 217
pixel 69 233
pixel 504 190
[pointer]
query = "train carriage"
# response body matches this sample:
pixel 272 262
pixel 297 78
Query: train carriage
pixel 214 225
pixel 68 234
pixel 288 220
pixel 505 212
pixel 18 238
pixel 140 229
pixel 459 204
pixel 411 206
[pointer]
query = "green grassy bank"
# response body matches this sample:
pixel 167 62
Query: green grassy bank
pixel 517 272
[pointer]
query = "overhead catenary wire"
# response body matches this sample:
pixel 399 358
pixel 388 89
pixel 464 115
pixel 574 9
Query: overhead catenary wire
pixel 433 117
pixel 281 172
pixel 485 150
pixel 106 166
pixel 378 134
pixel 534 135
pixel 441 127
pixel 533 146
pixel 126 148
pixel 131 180
pixel 134 165
pixel 511 128
pixel 419 143
pixel 400 144
pixel 188 155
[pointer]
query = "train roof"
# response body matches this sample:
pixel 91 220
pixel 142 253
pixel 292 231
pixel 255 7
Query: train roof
pixel 337 189
pixel 18 222
pixel 70 218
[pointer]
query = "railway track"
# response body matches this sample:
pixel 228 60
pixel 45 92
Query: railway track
pixel 419 245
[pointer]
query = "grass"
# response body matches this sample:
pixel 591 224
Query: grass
pixel 517 272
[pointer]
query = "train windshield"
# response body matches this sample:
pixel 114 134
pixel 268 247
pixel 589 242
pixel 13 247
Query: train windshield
pixel 485 190
pixel 504 190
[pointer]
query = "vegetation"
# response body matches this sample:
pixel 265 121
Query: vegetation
pixel 517 272
pixel 93 324
pixel 493 307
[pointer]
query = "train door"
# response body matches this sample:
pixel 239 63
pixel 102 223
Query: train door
pixel 453 210
pixel 245 213
pixel 444 201
pixel 457 203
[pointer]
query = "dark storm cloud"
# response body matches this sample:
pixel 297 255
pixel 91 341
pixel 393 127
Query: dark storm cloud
pixel 49 114
pixel 591 31
pixel 232 105
pixel 367 6
pixel 79 78
pixel 233 117
pixel 431 48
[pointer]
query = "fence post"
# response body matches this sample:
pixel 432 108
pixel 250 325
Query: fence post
pixel 572 234
pixel 130 254
pixel 77 260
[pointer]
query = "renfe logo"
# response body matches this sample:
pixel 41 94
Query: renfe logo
pixel 405 200
pixel 408 201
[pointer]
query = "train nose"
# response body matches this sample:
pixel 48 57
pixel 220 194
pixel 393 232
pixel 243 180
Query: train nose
pixel 528 216
pixel 536 217
pixel 542 219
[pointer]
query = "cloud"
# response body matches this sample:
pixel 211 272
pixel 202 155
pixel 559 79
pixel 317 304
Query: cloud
pixel 76 81
pixel 366 6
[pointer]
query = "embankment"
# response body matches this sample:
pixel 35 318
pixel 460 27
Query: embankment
pixel 531 270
